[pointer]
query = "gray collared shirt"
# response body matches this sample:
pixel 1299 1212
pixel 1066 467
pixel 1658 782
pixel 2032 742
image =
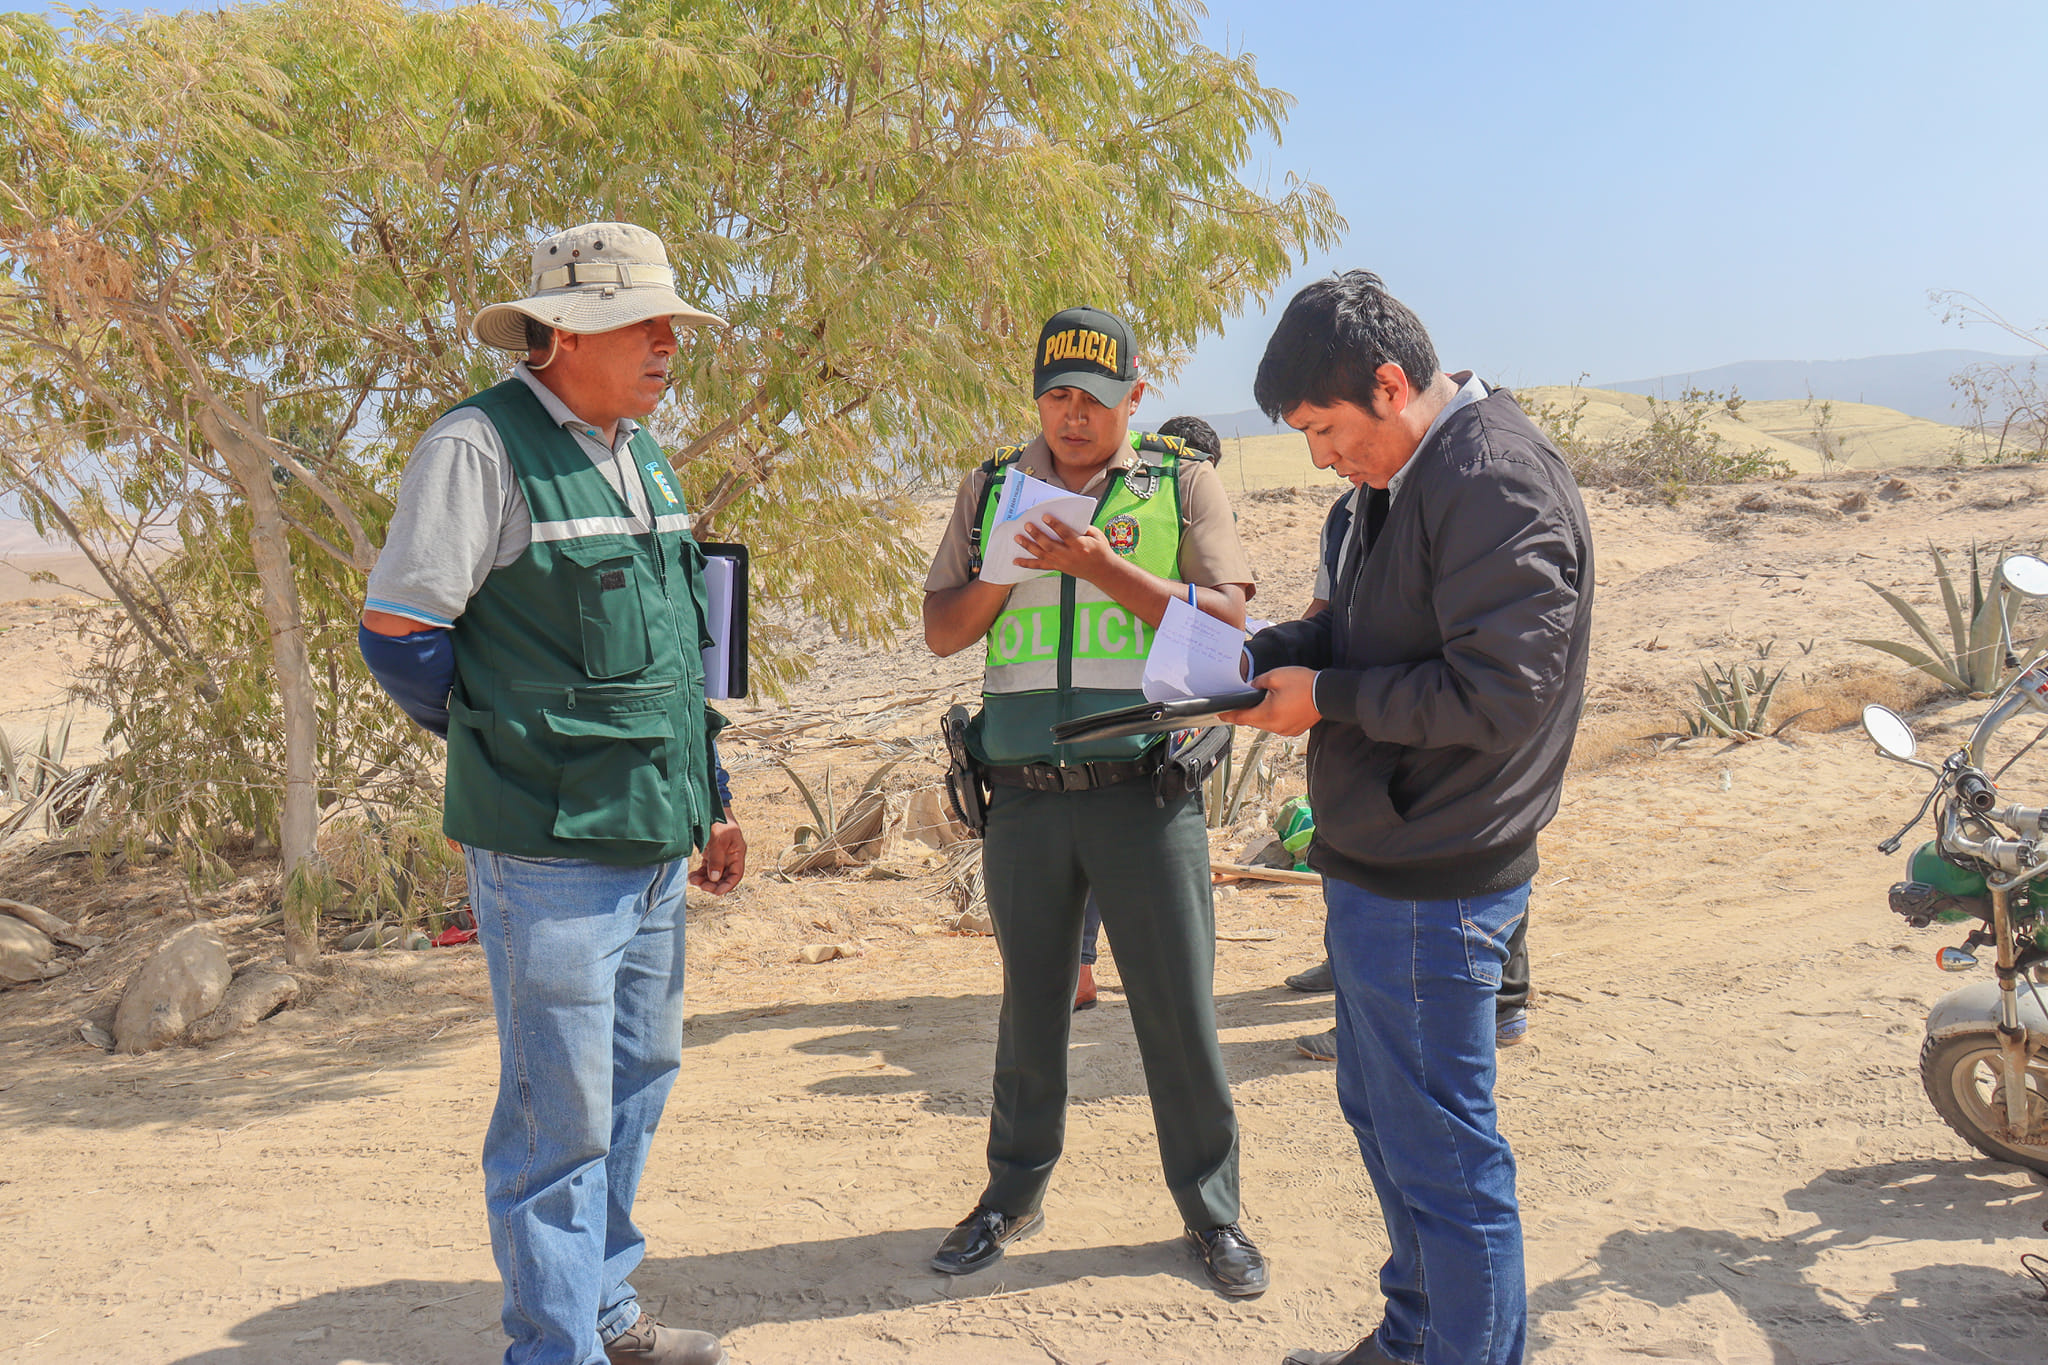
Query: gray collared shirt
pixel 460 512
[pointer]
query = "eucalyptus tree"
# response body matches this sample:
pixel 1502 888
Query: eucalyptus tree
pixel 239 251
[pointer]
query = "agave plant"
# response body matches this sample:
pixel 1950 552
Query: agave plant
pixel 1971 660
pixel 838 840
pixel 1733 703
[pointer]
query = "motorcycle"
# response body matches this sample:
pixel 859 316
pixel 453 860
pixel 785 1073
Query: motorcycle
pixel 1982 1061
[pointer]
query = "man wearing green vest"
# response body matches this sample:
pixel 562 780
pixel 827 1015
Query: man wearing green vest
pixel 1063 819
pixel 540 602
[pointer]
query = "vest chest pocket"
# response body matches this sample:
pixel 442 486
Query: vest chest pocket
pixel 609 573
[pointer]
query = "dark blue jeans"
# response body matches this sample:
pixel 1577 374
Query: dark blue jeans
pixel 1415 1066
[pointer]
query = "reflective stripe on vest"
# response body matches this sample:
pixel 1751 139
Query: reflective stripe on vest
pixel 578 528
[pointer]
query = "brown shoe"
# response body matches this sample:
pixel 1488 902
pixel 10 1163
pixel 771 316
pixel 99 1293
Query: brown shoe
pixel 647 1342
pixel 1084 994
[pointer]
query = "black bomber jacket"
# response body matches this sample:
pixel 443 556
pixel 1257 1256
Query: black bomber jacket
pixel 1453 664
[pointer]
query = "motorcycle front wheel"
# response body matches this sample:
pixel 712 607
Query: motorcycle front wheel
pixel 1964 1077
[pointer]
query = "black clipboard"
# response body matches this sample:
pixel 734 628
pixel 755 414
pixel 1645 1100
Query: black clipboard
pixel 1155 717
pixel 725 661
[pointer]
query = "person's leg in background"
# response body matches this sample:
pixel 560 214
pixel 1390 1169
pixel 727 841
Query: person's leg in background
pixel 1091 933
pixel 1511 1003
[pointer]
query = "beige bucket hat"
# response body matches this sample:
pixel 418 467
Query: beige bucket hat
pixel 592 278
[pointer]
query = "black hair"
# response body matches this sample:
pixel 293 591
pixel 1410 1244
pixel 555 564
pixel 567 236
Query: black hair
pixel 1198 434
pixel 539 336
pixel 1332 340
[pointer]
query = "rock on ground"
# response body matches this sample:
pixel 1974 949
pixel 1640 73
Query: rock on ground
pixel 256 993
pixel 179 986
pixel 26 953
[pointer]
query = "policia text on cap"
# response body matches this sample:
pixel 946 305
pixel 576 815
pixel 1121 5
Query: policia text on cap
pixel 1063 819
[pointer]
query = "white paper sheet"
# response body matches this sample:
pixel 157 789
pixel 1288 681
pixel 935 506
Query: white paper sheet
pixel 1021 499
pixel 718 578
pixel 1193 655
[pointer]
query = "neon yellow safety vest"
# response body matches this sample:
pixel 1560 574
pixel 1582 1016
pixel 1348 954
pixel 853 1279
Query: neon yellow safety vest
pixel 1062 647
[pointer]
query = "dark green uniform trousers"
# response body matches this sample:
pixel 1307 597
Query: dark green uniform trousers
pixel 1149 867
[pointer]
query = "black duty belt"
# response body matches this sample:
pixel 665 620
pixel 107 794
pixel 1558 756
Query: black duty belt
pixel 1074 777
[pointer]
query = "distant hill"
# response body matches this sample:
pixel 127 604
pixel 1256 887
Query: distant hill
pixel 1916 384
pixel 1250 422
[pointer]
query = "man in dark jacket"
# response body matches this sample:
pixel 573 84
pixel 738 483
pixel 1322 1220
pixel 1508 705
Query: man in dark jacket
pixel 1444 688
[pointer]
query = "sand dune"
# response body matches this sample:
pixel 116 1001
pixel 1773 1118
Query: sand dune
pixel 1864 436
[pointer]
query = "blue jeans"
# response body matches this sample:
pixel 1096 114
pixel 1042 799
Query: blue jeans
pixel 586 964
pixel 1415 1066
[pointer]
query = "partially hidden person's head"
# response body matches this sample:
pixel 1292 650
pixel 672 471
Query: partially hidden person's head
pixel 599 320
pixel 1084 375
pixel 1196 434
pixel 1344 367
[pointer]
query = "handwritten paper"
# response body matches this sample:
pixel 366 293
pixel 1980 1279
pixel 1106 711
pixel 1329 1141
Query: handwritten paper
pixel 1193 655
pixel 1021 499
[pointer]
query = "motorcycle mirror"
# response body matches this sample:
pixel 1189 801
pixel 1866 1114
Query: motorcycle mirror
pixel 2025 574
pixel 1890 733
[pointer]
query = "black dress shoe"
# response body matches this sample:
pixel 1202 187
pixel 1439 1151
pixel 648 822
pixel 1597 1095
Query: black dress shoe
pixel 1366 1352
pixel 1235 1266
pixel 980 1238
pixel 1315 980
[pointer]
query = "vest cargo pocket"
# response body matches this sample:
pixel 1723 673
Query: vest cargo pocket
pixel 609 598
pixel 616 766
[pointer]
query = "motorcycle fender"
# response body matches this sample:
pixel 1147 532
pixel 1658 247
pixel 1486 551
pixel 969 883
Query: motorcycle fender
pixel 1974 1009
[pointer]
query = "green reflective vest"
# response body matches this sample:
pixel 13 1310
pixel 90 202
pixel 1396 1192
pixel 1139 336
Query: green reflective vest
pixel 1062 647
pixel 577 725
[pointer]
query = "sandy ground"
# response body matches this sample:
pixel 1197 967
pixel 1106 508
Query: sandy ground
pixel 1725 1155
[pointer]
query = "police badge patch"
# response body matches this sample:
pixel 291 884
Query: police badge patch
pixel 1122 533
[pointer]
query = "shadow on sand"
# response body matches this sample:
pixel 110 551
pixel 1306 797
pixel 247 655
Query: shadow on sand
pixel 1961 1313
pixel 428 1322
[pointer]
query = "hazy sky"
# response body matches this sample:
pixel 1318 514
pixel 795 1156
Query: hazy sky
pixel 1637 189
pixel 1626 190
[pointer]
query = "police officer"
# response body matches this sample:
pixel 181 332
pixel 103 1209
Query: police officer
pixel 1063 819
pixel 539 601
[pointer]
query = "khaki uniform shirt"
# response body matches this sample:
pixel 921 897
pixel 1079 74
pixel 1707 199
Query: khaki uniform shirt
pixel 1210 553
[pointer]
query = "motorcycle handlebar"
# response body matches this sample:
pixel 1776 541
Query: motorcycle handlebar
pixel 1976 791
